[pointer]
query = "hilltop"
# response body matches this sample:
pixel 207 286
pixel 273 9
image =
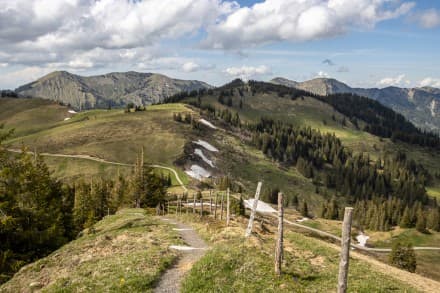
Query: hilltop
pixel 419 105
pixel 109 90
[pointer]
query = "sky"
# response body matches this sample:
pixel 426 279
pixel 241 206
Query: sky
pixel 364 43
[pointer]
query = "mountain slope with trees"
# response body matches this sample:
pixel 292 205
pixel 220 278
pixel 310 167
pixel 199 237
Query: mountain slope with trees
pixel 421 105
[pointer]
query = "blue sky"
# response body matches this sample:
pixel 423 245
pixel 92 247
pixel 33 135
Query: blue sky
pixel 367 43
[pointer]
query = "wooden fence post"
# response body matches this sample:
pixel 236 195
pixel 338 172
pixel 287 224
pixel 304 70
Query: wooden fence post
pixel 215 207
pixel 228 215
pixel 345 250
pixel 168 206
pixel 201 207
pixel 177 206
pixel 194 204
pixel 221 207
pixel 279 245
pixel 210 202
pixel 187 205
pixel 254 209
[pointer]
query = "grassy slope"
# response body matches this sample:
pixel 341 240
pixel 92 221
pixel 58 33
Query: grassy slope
pixel 236 264
pixel 111 135
pixel 127 253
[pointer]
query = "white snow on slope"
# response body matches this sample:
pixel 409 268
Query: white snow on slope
pixel 72 112
pixel 302 220
pixel 206 145
pixel 433 105
pixel 199 153
pixel 207 123
pixel 362 239
pixel 68 118
pixel 262 207
pixel 198 172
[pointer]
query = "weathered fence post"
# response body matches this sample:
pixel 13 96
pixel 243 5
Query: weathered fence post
pixel 163 209
pixel 177 206
pixel 201 207
pixel 210 202
pixel 221 207
pixel 228 215
pixel 345 251
pixel 279 245
pixel 187 205
pixel 194 204
pixel 168 206
pixel 254 209
pixel 215 207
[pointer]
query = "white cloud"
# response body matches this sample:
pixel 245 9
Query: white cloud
pixel 24 75
pixel 299 20
pixel 321 74
pixel 429 81
pixel 247 72
pixel 37 32
pixel 190 66
pixel 428 19
pixel 399 80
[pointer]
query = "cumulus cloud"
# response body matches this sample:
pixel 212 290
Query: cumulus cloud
pixel 399 80
pixel 428 19
pixel 42 31
pixel 299 20
pixel 429 81
pixel 321 74
pixel 248 72
pixel 190 66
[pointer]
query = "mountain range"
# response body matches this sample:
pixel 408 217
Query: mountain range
pixel 421 106
pixel 112 89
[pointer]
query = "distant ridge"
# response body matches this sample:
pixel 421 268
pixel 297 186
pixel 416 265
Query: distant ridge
pixel 421 106
pixel 113 89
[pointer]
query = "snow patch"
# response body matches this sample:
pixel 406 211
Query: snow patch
pixel 302 220
pixel 207 123
pixel 206 145
pixel 72 111
pixel 199 153
pixel 180 247
pixel 433 105
pixel 362 239
pixel 198 172
pixel 262 207
pixel 68 118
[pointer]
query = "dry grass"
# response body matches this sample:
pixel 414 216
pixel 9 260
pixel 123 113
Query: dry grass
pixel 126 253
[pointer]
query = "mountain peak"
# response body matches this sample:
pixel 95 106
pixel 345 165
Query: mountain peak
pixel 112 89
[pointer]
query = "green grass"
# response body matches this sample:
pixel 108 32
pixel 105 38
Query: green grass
pixel 127 253
pixel 236 264
pixel 112 135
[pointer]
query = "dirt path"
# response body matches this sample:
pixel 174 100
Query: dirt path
pixel 195 249
pixel 87 157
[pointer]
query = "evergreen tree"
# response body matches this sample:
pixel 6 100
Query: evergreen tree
pixel 403 256
pixel 304 209
pixel 421 222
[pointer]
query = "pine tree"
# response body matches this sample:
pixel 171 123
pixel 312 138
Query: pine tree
pixel 405 221
pixel 421 221
pixel 304 209
pixel 403 256
pixel 434 219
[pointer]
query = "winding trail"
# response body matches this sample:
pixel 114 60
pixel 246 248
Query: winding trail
pixel 171 280
pixel 96 159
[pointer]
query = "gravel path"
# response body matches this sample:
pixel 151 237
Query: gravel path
pixel 172 278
